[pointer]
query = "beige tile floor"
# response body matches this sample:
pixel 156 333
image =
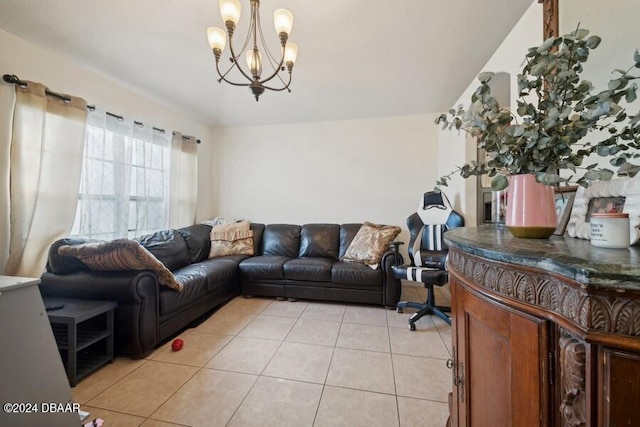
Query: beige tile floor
pixel 261 362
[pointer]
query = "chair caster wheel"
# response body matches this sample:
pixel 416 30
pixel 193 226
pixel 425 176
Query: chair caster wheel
pixel 412 326
pixel 399 310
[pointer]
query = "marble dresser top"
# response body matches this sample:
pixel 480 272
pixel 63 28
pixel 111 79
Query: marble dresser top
pixel 567 256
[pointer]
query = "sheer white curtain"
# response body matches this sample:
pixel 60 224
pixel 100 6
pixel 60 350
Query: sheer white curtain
pixel 184 180
pixel 45 162
pixel 125 179
pixel 7 99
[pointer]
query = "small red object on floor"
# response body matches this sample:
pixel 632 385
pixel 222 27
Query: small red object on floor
pixel 177 344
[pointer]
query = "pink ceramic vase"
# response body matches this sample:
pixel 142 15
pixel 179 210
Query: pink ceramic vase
pixel 531 211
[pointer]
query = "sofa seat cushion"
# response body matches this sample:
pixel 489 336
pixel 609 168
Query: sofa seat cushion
pixel 218 271
pixel 263 267
pixel 308 269
pixel 237 259
pixel 194 286
pixel 355 274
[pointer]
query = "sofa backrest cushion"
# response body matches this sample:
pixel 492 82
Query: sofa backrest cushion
pixel 168 246
pixel 320 240
pixel 258 230
pixel 198 241
pixel 66 264
pixel 281 240
pixel 347 233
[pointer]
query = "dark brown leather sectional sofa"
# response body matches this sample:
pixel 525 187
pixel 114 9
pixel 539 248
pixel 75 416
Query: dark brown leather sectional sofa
pixel 289 261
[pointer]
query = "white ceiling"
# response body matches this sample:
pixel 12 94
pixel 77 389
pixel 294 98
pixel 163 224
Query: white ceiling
pixel 357 58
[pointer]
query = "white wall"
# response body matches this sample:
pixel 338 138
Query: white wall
pixel 453 150
pixel 616 23
pixel 335 172
pixel 60 74
pixel 354 170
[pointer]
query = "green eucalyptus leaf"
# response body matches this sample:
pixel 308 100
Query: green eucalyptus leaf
pixel 618 161
pixel 538 69
pixel 499 182
pixel 636 57
pixel 593 42
pixel 606 174
pixel 549 178
pixel 592 175
pixel 580 33
pixel 544 47
pixel 614 84
pixel 630 94
pixel 485 76
pixel 621 116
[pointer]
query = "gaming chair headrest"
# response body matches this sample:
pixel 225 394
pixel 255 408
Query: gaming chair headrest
pixel 434 208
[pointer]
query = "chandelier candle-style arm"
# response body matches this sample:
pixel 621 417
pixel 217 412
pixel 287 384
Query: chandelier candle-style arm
pixel 258 50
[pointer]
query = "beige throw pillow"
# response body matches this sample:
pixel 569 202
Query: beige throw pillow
pixel 370 243
pixel 231 239
pixel 121 255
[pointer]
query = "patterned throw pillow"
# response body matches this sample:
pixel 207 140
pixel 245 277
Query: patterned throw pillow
pixel 121 255
pixel 231 239
pixel 370 243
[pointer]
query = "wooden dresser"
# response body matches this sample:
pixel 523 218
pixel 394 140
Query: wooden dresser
pixel 545 332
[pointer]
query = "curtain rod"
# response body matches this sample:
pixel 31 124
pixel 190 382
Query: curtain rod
pixel 12 78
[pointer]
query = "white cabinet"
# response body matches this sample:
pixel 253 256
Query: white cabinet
pixel 31 370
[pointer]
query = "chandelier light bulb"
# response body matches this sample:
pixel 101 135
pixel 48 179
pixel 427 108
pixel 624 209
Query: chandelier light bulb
pixel 254 62
pixel 217 38
pixel 230 11
pixel 283 21
pixel 290 53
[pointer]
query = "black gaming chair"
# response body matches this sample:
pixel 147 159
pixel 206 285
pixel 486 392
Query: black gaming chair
pixel 427 252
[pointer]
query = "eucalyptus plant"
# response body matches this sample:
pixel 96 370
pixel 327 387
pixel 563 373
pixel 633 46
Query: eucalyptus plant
pixel 556 111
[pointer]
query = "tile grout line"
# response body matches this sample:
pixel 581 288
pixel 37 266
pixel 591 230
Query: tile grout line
pixel 178 389
pixel 263 369
pixel 113 384
pixel 393 372
pixel 200 369
pixel 257 377
pixel 222 370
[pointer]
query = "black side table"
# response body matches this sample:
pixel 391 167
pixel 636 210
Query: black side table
pixel 84 333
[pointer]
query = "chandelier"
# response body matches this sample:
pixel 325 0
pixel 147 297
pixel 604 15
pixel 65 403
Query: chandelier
pixel 283 22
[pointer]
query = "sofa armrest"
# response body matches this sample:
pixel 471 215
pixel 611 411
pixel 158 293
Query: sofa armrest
pixel 391 286
pixel 395 247
pixel 136 292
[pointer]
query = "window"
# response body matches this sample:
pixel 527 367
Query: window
pixel 124 190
